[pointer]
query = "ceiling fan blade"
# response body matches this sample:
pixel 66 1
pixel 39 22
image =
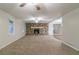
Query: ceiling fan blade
pixel 22 5
pixel 38 7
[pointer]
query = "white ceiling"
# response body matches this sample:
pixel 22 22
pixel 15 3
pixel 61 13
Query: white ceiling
pixel 48 11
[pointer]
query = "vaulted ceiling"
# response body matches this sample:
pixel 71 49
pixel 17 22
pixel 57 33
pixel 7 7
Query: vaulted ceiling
pixel 48 11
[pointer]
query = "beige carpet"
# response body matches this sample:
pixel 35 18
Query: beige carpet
pixel 37 45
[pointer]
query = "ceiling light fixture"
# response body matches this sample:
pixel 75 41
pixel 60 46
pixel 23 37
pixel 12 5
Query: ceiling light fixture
pixel 36 19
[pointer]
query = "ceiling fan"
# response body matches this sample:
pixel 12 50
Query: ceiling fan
pixel 37 6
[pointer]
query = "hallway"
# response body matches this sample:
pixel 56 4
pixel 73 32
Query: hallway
pixel 34 45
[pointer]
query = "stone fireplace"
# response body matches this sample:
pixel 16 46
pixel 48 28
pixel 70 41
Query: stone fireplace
pixel 37 28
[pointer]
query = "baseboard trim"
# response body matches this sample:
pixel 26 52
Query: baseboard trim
pixel 8 43
pixel 69 45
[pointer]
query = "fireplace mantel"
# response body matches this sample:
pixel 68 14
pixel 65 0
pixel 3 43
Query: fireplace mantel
pixel 37 27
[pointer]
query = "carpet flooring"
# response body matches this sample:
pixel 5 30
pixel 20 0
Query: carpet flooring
pixel 37 45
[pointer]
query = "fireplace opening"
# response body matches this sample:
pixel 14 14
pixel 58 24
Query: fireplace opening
pixel 36 31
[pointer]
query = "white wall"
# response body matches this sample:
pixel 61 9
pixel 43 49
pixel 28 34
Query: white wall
pixel 71 28
pixel 5 38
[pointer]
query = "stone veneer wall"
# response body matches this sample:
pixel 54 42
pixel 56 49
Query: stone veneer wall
pixel 43 31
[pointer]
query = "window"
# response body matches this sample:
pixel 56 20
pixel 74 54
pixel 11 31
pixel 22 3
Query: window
pixel 11 26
